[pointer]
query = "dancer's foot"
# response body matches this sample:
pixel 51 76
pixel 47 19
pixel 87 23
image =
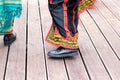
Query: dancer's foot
pixel 63 52
pixel 9 38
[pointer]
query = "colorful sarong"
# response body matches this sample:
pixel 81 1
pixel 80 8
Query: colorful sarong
pixel 9 9
pixel 65 15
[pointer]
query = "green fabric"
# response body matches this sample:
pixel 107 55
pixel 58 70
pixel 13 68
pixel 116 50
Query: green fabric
pixel 9 9
pixel 85 4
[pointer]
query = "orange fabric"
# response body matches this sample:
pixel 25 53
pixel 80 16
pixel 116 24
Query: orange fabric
pixel 70 41
pixel 56 39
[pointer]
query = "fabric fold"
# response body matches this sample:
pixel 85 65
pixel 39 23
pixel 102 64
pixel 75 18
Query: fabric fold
pixel 9 9
pixel 65 15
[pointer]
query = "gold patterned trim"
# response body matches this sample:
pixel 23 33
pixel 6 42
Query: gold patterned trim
pixel 85 4
pixel 55 38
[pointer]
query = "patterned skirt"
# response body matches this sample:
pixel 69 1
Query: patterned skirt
pixel 65 15
pixel 9 9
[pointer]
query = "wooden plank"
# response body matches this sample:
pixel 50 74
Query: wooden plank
pixel 16 60
pixel 104 50
pixel 112 7
pixel 109 33
pixel 3 57
pixel 112 20
pixel 117 2
pixel 76 68
pixel 35 60
pixel 56 68
pixel 93 63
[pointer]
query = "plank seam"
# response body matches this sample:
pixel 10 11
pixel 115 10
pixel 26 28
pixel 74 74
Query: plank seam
pixel 26 42
pixel 83 61
pixel 66 68
pixel 43 39
pixel 104 36
pixel 97 51
pixel 108 21
pixel 7 58
pixel 109 9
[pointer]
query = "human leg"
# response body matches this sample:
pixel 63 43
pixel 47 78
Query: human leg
pixel 64 31
pixel 9 36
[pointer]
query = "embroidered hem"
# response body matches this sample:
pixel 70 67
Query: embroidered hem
pixel 6 31
pixel 70 42
pixel 85 4
pixel 9 9
pixel 56 39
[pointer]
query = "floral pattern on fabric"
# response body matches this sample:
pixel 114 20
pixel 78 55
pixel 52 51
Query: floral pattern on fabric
pixel 55 38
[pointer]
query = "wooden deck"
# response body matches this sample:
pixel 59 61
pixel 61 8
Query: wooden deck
pixel 99 42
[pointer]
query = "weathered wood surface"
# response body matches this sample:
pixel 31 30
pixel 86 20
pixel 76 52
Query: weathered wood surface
pixel 99 43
